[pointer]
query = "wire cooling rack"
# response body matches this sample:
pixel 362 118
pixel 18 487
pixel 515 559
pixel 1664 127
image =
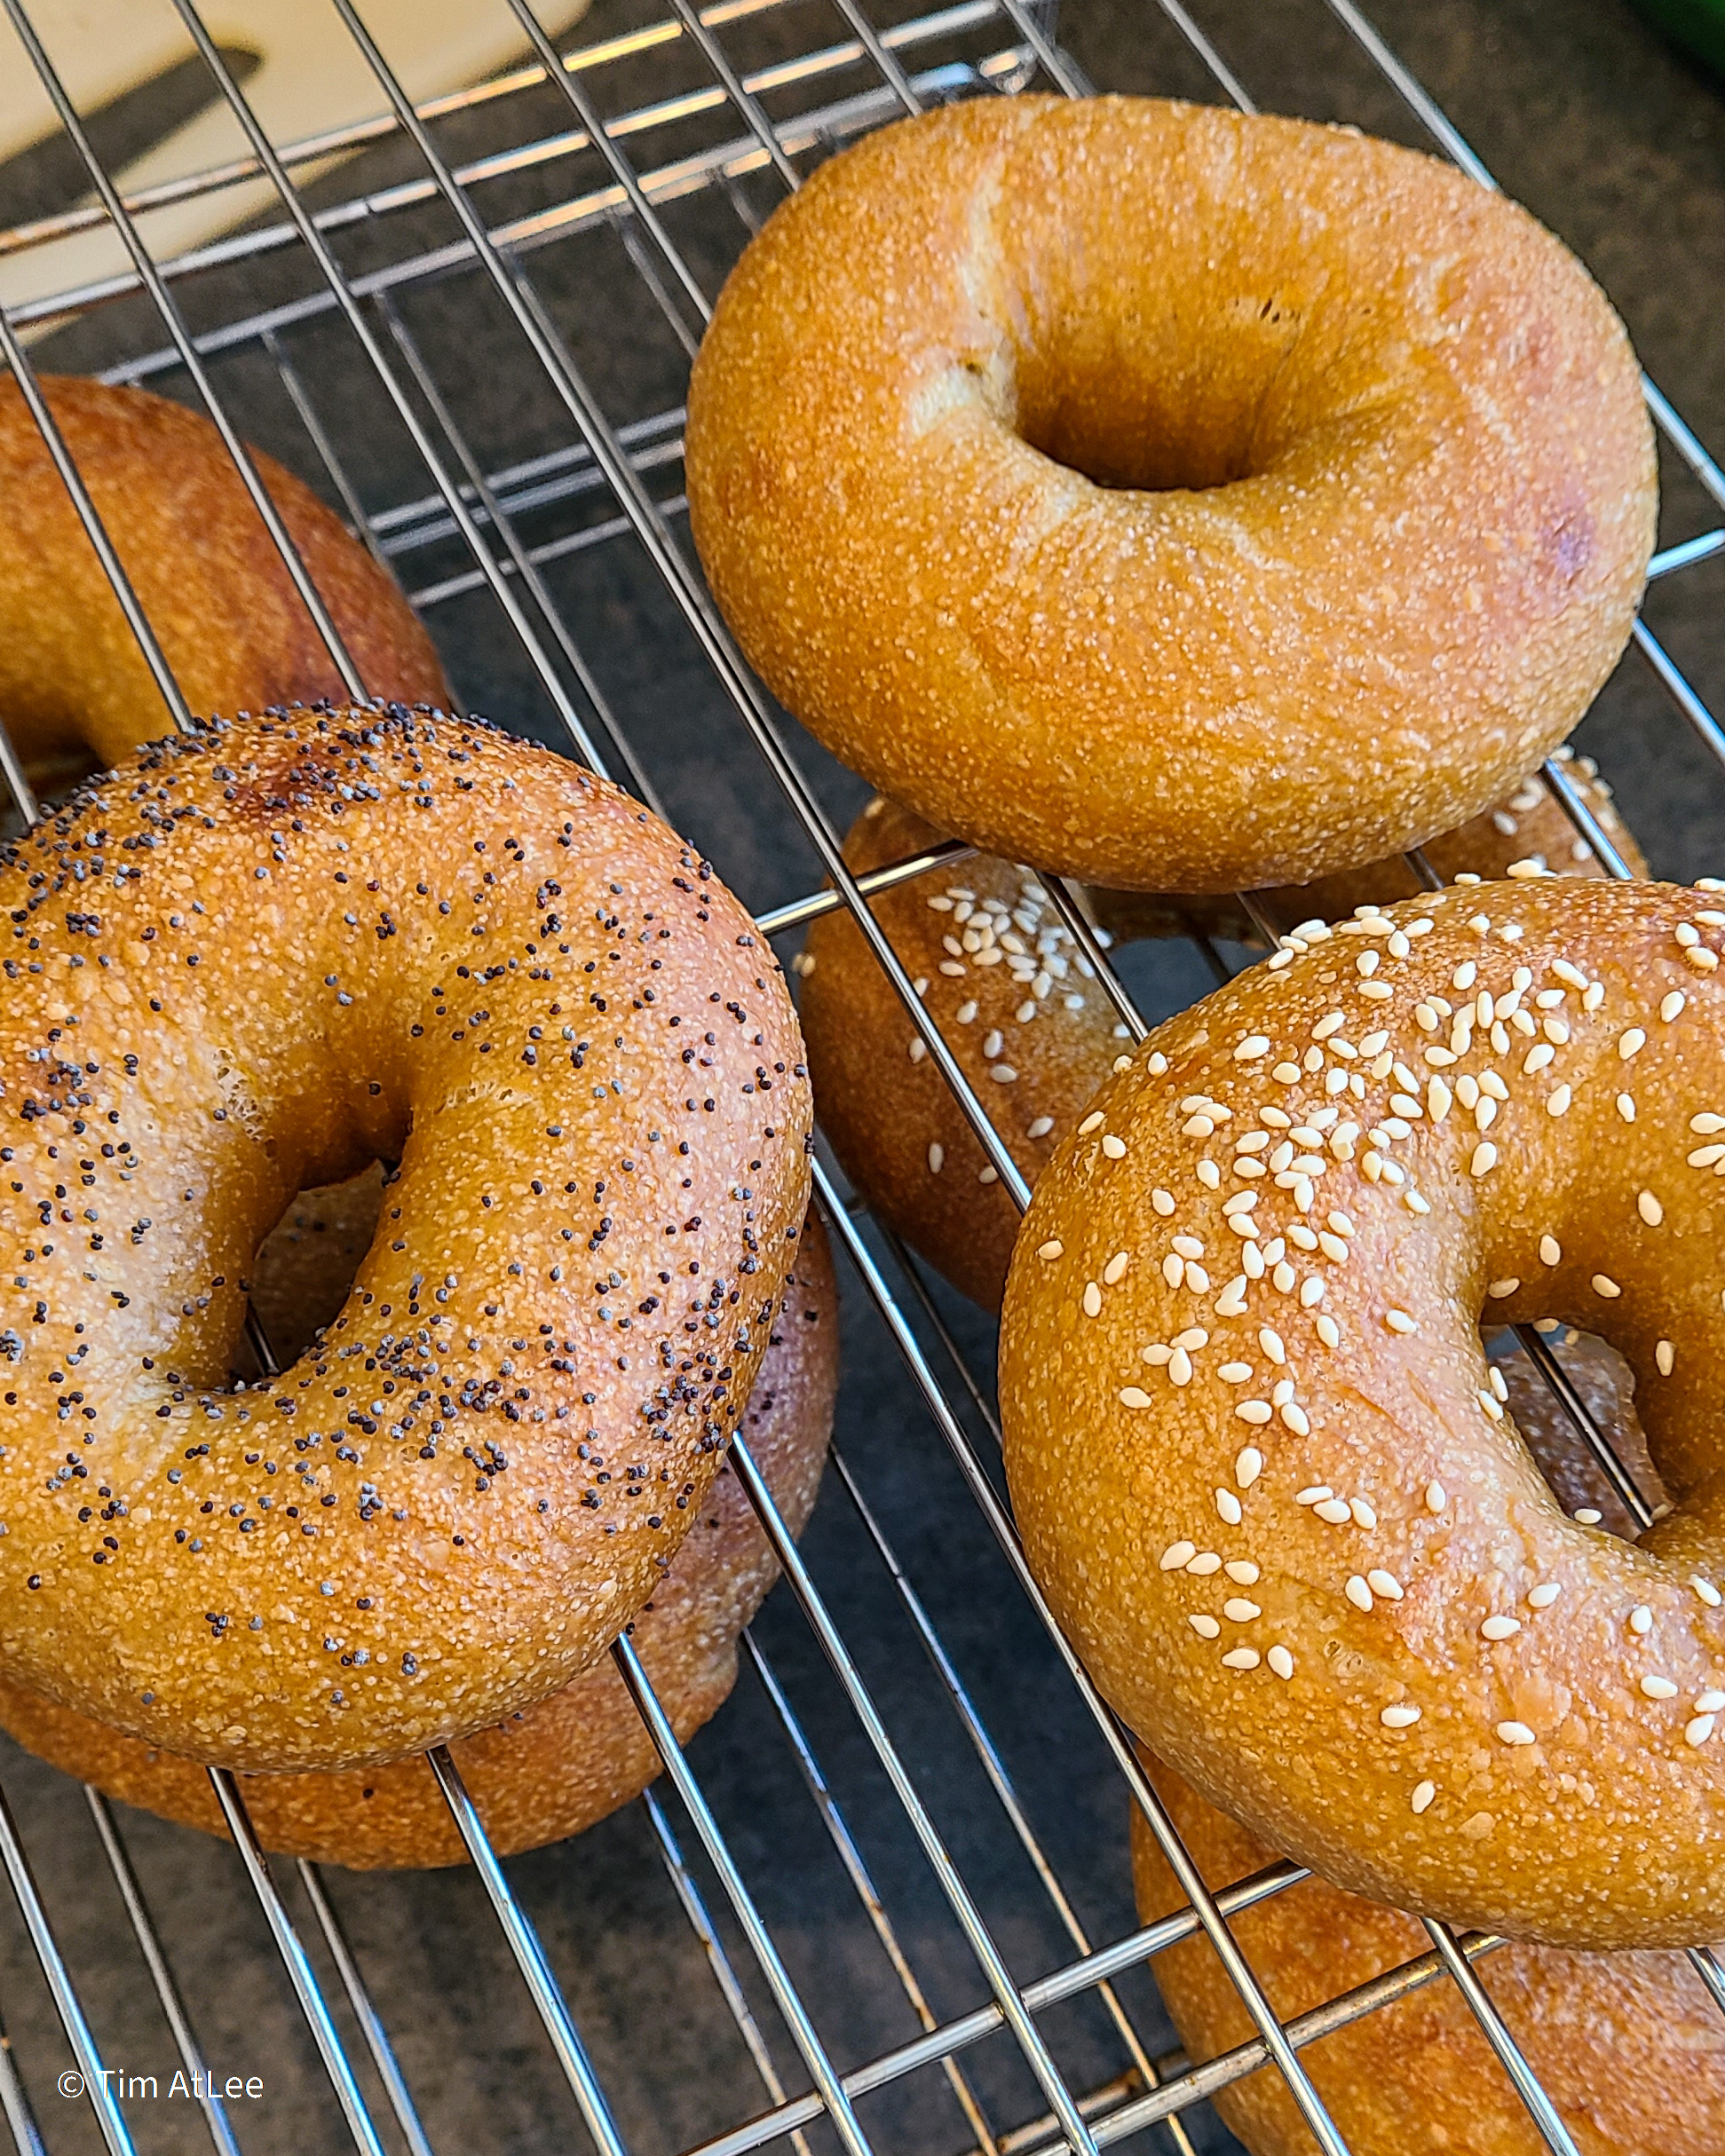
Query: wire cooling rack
pixel 890 1908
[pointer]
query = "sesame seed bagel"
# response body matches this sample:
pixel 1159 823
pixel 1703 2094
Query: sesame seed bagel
pixel 246 964
pixel 1172 498
pixel 1253 1447
pixel 1525 833
pixel 556 1768
pixel 1629 2047
pixel 235 634
pixel 1016 1003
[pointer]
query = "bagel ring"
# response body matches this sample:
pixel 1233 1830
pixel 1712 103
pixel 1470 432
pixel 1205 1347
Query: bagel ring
pixel 200 559
pixel 1629 2046
pixel 1252 535
pixel 1240 1334
pixel 558 1767
pixel 1033 1030
pixel 250 962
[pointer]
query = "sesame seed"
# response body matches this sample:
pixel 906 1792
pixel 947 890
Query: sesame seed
pixel 1286 1074
pixel 1500 1628
pixel 1707 1591
pixel 1399 1717
pixel 1238 1610
pixel 1551 1251
pixel 1163 1201
pixel 1051 1250
pixel 1248 1467
pixel 1178 1555
pixel 1113 1147
pixel 992 1045
pixel 1710 1703
pixel 1588 1516
pixel 1627 1107
pixel 1197 1279
pixel 1252 1047
pixel 1281 1662
pixel 1241 1658
pixel 1363 1515
pixel 1385 1584
pixel 1558 1103
pixel 1235 1373
pixel 1631 1043
pixel 1543 1596
pixel 1327 1330
pixel 1271 1344
pixel 1316 1493
pixel 1423 1793
pixel 937 1156
pixel 1358 1594
pixel 1697 1729
pixel 1205 1563
pixel 1282 1278
pixel 1641 1620
pixel 1604 1284
pixel 1515 1732
pixel 1672 1004
pixel 1092 1299
pixel 1658 1688
pixel 1573 975
pixel 1116 1267
pixel 1180 1366
pixel 1242 1571
pixel 1484 1160
pixel 1208 1174
pixel 1437 1498
pixel 1157 1353
pixel 1398 1321
pixel 1229 1505
pixel 1336 1510
pixel 1091 1122
pixel 1295 1418
pixel 1132 1397
pixel 1254 1411
pixel 1206 1628
pixel 1502 1288
pixel 1705 1125
pixel 966 1013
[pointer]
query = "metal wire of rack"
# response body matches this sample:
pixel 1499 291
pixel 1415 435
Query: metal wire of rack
pixel 729 134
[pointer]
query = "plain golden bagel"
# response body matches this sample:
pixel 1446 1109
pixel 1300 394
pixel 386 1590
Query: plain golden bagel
pixel 247 963
pixel 233 630
pixel 1033 1032
pixel 1174 499
pixel 1629 2047
pixel 554 1769
pixel 1255 1453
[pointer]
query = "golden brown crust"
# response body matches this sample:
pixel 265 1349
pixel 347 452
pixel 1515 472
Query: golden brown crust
pixel 1384 1686
pixel 558 1767
pixel 894 1124
pixel 886 1111
pixel 234 632
pixel 1376 512
pixel 1629 2046
pixel 255 959
pixel 1528 824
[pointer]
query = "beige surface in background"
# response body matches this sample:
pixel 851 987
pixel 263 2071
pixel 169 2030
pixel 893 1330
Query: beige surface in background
pixel 314 78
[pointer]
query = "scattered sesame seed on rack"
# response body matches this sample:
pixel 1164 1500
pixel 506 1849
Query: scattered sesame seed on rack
pixel 937 1157
pixel 1041 1127
pixel 1587 1516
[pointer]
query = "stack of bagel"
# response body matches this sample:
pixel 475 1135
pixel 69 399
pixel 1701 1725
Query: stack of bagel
pixel 1193 568
pixel 1245 548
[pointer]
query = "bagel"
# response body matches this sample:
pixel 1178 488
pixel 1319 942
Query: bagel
pixel 1420 1676
pixel 1629 2046
pixel 249 962
pixel 1034 1058
pixel 558 1767
pixel 234 632
pixel 1527 830
pixel 1167 497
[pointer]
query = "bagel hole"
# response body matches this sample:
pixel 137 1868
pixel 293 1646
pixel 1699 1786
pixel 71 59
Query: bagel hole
pixel 1606 1386
pixel 305 1265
